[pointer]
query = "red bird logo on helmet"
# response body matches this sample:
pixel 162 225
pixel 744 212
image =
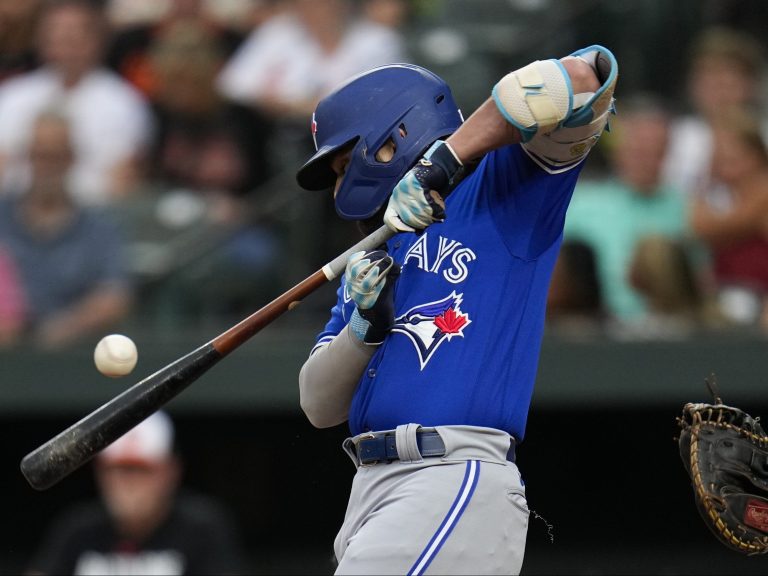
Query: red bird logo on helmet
pixel 314 130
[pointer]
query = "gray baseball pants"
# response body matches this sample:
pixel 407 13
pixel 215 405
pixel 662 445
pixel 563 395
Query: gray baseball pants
pixel 464 512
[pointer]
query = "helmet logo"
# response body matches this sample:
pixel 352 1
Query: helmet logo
pixel 314 130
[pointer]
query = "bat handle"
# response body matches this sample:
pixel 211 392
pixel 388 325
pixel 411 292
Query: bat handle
pixel 336 267
pixel 375 239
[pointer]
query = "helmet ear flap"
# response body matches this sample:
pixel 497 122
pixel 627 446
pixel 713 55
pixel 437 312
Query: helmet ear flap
pixel 367 182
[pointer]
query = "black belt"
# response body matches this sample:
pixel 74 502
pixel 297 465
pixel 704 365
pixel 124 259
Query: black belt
pixel 383 447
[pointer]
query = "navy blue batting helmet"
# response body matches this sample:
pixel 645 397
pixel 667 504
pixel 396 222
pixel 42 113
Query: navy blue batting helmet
pixel 404 102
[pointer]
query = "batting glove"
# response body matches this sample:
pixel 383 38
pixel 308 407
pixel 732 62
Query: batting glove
pixel 369 279
pixel 417 200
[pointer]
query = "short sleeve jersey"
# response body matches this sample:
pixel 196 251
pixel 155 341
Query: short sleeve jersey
pixel 469 304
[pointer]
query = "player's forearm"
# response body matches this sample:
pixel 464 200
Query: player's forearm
pixel 328 379
pixel 487 129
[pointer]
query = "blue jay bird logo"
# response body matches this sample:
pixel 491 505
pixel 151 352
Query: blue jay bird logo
pixel 429 325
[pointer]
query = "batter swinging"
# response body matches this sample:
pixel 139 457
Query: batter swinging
pixel 432 347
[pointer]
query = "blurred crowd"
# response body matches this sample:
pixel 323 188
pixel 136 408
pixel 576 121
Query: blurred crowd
pixel 148 147
pixel 147 151
pixel 143 519
pixel 671 238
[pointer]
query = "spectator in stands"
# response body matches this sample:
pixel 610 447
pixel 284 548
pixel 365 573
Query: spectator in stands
pixel 731 216
pixel 389 13
pixel 282 69
pixel 110 120
pixel 69 257
pixel 131 47
pixel 663 271
pixel 17 37
pixel 143 522
pixel 575 301
pixel 202 142
pixel 242 16
pixel 288 63
pixel 612 215
pixel 725 71
pixel 12 301
pixel 212 153
pixel 124 14
pixel 298 56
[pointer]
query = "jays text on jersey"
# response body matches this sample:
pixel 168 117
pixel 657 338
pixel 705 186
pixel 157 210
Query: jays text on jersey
pixel 469 303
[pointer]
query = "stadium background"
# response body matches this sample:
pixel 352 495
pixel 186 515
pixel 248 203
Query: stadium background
pixel 600 461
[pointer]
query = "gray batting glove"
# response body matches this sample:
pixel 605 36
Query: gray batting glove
pixel 417 200
pixel 368 281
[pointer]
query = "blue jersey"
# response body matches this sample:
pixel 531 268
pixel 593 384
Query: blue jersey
pixel 469 304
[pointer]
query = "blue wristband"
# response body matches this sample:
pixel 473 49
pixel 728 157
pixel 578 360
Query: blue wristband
pixel 359 325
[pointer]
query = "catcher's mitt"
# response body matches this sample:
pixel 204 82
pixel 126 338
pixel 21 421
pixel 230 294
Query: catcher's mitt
pixel 725 452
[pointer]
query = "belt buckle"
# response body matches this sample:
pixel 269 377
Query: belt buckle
pixel 367 436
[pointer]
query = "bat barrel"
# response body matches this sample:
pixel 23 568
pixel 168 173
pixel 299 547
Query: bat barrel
pixel 70 449
pixel 76 445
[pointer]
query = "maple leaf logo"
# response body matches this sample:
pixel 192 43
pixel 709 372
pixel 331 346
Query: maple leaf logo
pixel 428 325
pixel 450 322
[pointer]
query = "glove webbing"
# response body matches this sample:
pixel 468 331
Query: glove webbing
pixel 722 419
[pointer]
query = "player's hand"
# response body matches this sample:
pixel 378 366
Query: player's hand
pixel 417 200
pixel 369 278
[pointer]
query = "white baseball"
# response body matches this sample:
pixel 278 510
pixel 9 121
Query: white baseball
pixel 115 355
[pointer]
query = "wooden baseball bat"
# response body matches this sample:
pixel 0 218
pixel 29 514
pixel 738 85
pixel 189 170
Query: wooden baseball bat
pixel 70 449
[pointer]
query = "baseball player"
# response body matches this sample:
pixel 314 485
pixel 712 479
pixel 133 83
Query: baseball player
pixel 432 347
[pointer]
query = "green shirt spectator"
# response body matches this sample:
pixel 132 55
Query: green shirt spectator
pixel 612 217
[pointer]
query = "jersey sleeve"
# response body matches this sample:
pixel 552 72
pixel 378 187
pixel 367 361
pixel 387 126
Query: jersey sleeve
pixel 340 315
pixel 527 204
